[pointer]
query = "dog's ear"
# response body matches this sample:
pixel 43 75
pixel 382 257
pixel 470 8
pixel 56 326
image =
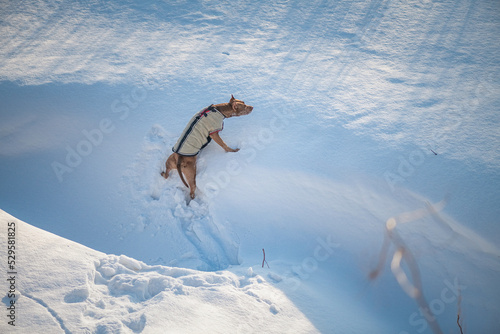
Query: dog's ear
pixel 232 99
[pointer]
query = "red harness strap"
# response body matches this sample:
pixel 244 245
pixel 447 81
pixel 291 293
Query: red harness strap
pixel 206 111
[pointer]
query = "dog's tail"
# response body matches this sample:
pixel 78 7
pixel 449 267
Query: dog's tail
pixel 179 164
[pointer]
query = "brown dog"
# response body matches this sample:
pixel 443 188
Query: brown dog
pixel 201 129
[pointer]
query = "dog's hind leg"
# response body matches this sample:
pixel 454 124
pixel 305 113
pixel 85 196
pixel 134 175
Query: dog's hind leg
pixel 186 166
pixel 190 173
pixel 170 165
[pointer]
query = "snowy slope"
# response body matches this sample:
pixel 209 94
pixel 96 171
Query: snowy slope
pixel 363 111
pixel 65 287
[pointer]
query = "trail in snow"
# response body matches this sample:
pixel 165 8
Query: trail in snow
pixel 216 251
pixel 161 204
pixel 52 312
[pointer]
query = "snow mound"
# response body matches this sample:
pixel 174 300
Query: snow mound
pixel 91 292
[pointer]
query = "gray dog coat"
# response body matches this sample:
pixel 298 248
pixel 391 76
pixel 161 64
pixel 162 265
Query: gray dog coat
pixel 197 133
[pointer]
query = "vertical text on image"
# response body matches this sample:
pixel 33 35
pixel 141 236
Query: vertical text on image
pixel 11 273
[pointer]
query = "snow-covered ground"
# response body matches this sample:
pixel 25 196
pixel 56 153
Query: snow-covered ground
pixel 374 135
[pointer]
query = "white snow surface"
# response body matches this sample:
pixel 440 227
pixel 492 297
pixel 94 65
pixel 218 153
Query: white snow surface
pixel 67 287
pixel 375 123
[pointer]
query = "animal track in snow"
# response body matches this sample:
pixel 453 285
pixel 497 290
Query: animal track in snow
pixel 164 210
pixel 123 288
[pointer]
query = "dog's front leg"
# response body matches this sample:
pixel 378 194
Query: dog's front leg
pixel 215 136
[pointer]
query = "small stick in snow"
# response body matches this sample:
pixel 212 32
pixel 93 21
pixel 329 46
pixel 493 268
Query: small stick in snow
pixel 433 151
pixel 459 302
pixel 264 261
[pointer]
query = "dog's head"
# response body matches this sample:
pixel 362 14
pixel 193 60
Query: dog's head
pixel 239 107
